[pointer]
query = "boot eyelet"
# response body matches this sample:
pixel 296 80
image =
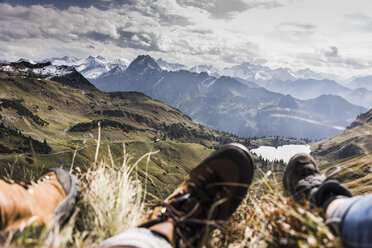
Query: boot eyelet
pixel 163 210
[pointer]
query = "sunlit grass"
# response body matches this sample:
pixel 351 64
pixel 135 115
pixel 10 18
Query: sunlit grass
pixel 113 199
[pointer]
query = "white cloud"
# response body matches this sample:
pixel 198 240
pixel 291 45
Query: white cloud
pixel 225 9
pixel 361 21
pixel 222 33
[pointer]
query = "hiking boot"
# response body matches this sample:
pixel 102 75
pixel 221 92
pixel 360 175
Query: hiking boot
pixel 302 179
pixel 208 195
pixel 48 202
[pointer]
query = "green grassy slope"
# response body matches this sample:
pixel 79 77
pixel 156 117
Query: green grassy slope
pixel 34 109
pixel 350 150
pixel 126 115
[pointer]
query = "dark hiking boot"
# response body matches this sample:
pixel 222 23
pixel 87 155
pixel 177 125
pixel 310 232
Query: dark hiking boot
pixel 48 202
pixel 209 194
pixel 302 179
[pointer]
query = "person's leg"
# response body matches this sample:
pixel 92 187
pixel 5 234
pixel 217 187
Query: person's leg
pixel 208 195
pixel 48 202
pixel 350 217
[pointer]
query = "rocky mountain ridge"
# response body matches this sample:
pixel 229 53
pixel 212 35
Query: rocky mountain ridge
pixel 232 105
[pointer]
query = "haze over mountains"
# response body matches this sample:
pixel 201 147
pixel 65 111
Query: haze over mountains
pixel 252 100
pixel 302 84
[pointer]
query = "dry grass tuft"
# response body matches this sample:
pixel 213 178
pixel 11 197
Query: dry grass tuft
pixel 266 218
pixel 113 199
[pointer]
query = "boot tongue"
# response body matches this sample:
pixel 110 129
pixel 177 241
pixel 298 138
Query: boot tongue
pixel 305 170
pixel 310 168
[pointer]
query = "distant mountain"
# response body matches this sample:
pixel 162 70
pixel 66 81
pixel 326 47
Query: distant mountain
pixel 355 140
pixel 248 83
pixel 307 74
pixel 361 97
pixel 257 73
pixel 310 74
pixel 305 89
pixel 361 82
pixel 233 105
pixel 26 60
pixel 90 67
pixel 170 66
pixel 63 74
pixel 210 69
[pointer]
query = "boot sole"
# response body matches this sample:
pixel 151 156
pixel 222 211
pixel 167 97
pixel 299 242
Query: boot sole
pixel 65 208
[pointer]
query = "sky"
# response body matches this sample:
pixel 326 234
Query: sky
pixel 331 36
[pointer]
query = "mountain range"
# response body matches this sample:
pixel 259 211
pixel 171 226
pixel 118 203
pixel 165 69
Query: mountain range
pixel 229 104
pixel 90 67
pixel 311 88
pixel 302 84
pixel 249 102
pixel 248 71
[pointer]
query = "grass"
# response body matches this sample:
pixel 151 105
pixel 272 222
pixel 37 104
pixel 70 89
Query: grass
pixel 267 218
pixel 114 199
pixel 355 173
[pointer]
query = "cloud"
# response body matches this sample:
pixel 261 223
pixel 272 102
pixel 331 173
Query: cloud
pixel 226 9
pixel 139 25
pixel 332 52
pixel 295 31
pixel 242 52
pixel 171 20
pixel 361 21
pixel 303 26
pixel 332 56
pixel 65 4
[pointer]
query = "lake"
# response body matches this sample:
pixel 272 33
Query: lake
pixel 282 152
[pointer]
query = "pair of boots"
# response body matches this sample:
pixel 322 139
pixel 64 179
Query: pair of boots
pixel 208 195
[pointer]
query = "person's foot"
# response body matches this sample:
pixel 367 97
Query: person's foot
pixel 48 202
pixel 210 193
pixel 302 179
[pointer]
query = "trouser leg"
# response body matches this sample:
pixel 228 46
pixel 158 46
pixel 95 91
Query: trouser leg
pixel 352 218
pixel 137 237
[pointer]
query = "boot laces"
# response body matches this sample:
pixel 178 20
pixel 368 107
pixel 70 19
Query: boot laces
pixel 312 179
pixel 186 222
pixel 189 211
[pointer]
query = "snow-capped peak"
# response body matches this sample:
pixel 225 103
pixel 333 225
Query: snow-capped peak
pixel 91 67
pixel 26 60
pixel 51 71
pixel 44 70
pixel 170 66
pixel 142 63
pixel 210 69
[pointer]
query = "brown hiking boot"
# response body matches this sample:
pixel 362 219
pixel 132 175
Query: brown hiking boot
pixel 210 193
pixel 48 202
pixel 302 179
